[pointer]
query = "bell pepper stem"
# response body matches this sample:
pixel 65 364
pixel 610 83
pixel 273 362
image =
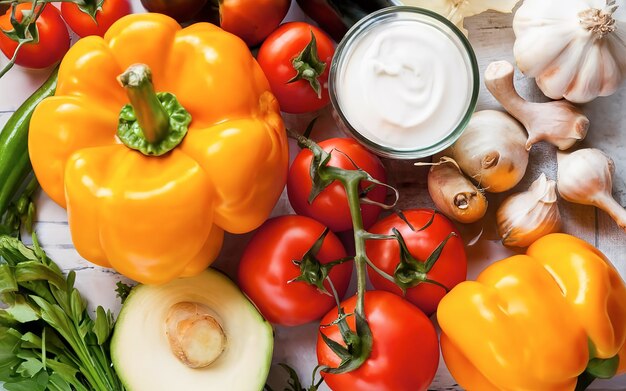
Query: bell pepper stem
pixel 151 116
pixel 584 381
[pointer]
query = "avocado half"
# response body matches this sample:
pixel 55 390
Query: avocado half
pixel 142 355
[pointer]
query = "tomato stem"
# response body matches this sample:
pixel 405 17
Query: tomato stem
pixel 25 31
pixel 312 271
pixel 410 272
pixel 309 67
pixel 358 343
pixel 352 191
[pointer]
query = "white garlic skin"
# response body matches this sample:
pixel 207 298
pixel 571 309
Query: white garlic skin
pixel 525 217
pixel 558 122
pixel 586 177
pixel 492 151
pixel 576 49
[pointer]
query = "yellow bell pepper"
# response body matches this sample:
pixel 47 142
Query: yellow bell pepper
pixel 150 181
pixel 551 320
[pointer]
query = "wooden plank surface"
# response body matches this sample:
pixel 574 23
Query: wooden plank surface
pixel 492 38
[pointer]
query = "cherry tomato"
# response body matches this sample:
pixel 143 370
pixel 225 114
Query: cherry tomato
pixel 449 269
pixel 252 20
pixel 267 267
pixel 181 10
pixel 276 57
pixel 83 25
pixel 54 39
pixel 331 205
pixel 405 350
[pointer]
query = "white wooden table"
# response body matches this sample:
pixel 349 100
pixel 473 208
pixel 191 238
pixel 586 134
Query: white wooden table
pixel 492 38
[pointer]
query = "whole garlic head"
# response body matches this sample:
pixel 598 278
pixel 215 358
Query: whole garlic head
pixel 576 49
pixel 525 217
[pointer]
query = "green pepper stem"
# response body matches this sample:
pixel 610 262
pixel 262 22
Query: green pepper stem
pixel 584 381
pixel 151 116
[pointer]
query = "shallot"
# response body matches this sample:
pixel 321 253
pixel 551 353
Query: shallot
pixel 453 194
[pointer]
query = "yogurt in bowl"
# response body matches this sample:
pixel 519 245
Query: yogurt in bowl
pixel 404 82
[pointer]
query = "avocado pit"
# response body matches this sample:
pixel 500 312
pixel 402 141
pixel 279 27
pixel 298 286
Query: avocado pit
pixel 196 338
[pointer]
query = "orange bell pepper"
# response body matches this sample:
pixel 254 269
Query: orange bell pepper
pixel 150 191
pixel 553 319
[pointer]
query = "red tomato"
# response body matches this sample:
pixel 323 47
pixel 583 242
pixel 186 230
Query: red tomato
pixel 405 350
pixel 252 20
pixel 83 25
pixel 331 205
pixel 54 39
pixel 449 270
pixel 267 267
pixel 276 56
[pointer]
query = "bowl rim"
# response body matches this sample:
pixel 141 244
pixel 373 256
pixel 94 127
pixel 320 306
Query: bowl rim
pixel 340 54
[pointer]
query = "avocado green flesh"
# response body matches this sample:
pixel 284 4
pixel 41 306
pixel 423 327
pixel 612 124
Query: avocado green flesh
pixel 141 352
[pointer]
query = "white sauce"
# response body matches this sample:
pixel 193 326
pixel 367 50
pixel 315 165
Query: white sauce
pixel 404 85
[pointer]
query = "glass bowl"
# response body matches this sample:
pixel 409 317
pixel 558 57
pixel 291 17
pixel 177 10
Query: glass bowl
pixel 403 14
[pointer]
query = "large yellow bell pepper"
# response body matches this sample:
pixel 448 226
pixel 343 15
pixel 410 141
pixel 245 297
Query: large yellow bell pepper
pixel 152 198
pixel 544 321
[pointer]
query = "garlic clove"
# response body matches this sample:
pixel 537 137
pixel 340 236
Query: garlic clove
pixel 560 123
pixel 525 217
pixel 561 75
pixel 586 177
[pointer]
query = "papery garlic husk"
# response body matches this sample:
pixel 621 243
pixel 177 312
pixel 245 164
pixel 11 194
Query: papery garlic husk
pixel 525 217
pixel 457 10
pixel 576 49
pixel 586 177
pixel 492 151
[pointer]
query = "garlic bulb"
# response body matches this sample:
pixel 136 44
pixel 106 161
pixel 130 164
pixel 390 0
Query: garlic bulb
pixel 576 49
pixel 492 151
pixel 457 10
pixel 586 177
pixel 525 217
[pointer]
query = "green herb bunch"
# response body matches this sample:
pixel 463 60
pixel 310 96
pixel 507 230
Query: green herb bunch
pixel 48 340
